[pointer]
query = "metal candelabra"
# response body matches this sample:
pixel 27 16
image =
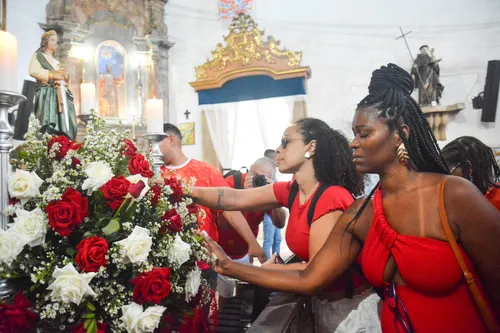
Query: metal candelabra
pixel 8 99
pixel 157 156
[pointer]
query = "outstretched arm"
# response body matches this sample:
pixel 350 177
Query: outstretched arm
pixel 334 258
pixel 223 198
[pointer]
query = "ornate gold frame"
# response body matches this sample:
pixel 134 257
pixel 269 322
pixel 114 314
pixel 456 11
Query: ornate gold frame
pixel 247 54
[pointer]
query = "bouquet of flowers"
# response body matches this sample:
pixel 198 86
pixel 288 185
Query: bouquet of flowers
pixel 96 244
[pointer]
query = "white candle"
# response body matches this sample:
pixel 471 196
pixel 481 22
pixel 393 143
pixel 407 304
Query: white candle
pixel 154 115
pixel 87 97
pixel 8 61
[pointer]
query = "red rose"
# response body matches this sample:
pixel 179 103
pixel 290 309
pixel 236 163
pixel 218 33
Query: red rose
pixel 115 190
pixel 176 187
pixel 192 208
pixel 17 317
pixel 139 165
pixel 156 190
pixel 130 149
pixel 152 286
pixel 66 214
pixel 65 145
pixel 75 162
pixel 173 221
pixel 91 254
pixel 135 190
pixel 101 328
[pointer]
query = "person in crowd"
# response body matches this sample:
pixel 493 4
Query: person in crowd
pixel 398 236
pixel 272 234
pixel 320 159
pixel 178 165
pixel 471 159
pixel 261 173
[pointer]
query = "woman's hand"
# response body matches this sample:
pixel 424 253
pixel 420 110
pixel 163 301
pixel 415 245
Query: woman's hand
pixel 271 262
pixel 222 259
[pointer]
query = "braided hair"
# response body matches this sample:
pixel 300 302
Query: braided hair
pixel 474 158
pixel 332 161
pixel 389 94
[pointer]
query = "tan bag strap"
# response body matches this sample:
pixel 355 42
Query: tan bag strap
pixel 486 313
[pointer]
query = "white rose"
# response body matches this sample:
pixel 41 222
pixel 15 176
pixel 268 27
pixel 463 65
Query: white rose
pixel 134 320
pixel 150 319
pixel 11 244
pixel 24 185
pixel 98 173
pixel 69 285
pixel 130 317
pixel 32 226
pixel 193 283
pixel 134 179
pixel 136 246
pixel 180 251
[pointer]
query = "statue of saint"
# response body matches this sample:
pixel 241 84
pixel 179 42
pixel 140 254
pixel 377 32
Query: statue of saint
pixel 425 73
pixel 108 93
pixel 55 111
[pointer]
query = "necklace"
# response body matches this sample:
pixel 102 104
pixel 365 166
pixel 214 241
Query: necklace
pixel 303 198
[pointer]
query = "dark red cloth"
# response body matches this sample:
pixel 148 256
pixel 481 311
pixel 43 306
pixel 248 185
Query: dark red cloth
pixel 206 176
pixel 493 195
pixel 229 239
pixel 297 232
pixel 435 293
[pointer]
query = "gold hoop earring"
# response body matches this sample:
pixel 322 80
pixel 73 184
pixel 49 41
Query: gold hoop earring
pixel 403 157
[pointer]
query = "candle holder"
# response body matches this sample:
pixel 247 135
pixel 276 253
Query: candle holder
pixel 8 99
pixel 157 156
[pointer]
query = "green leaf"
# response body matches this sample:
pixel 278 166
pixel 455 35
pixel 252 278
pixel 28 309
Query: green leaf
pixel 87 323
pixel 70 251
pixel 112 227
pixel 88 316
pixel 91 307
pixel 88 234
pixel 92 327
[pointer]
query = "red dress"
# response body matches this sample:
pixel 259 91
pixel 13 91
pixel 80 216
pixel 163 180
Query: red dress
pixel 493 195
pixel 435 295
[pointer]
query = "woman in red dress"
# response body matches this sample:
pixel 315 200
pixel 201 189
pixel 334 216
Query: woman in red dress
pixel 397 237
pixel 471 159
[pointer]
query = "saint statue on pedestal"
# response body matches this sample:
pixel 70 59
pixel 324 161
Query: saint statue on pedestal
pixel 54 106
pixel 108 92
pixel 425 73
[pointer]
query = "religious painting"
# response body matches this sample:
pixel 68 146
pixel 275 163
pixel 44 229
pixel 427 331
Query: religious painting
pixel 187 131
pixel 111 89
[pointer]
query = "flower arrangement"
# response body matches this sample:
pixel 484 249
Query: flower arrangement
pixel 96 244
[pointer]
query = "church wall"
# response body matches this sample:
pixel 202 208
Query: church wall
pixel 343 42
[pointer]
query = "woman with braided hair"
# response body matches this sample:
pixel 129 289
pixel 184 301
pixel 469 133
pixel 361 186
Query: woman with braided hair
pixel 398 237
pixel 471 159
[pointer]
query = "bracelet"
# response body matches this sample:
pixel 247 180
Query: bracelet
pixel 51 75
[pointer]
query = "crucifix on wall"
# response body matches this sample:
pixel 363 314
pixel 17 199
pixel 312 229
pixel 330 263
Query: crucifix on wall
pixel 187 113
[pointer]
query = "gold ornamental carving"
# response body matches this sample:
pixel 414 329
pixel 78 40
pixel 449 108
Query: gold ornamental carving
pixel 247 54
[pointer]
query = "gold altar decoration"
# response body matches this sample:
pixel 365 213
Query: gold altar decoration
pixel 247 54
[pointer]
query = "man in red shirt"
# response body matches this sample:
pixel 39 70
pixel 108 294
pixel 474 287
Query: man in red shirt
pixel 229 239
pixel 184 168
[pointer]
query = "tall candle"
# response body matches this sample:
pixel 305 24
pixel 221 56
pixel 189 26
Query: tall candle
pixel 8 61
pixel 87 97
pixel 154 115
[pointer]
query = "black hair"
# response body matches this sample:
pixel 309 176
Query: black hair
pixel 474 158
pixel 389 94
pixel 270 153
pixel 421 47
pixel 332 160
pixel 171 129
